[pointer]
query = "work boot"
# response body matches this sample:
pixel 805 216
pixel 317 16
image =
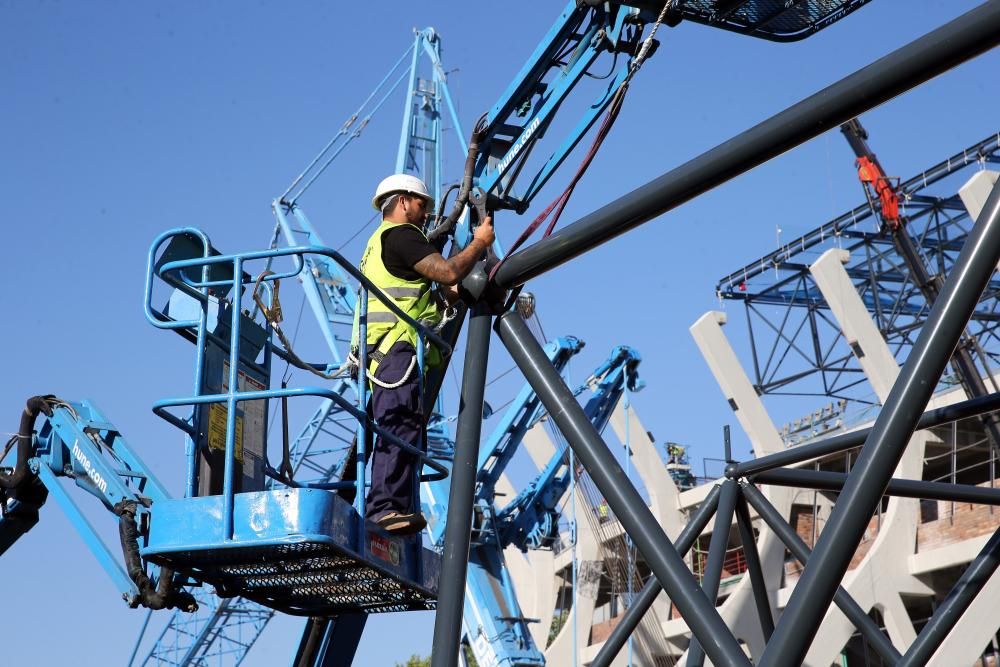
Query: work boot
pixel 397 523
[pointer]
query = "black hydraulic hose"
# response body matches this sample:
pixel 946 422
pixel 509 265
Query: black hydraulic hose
pixel 34 405
pixel 439 216
pixel 163 595
pixel 464 192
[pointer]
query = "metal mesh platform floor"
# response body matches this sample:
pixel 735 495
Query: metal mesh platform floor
pixel 303 578
pixel 296 551
pixel 778 20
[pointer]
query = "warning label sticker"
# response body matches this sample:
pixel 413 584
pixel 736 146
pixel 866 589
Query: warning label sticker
pixel 217 415
pixel 250 416
pixel 385 549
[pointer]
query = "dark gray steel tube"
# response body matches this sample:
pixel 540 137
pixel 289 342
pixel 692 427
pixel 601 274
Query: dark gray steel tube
pixel 455 560
pixel 904 488
pixel 890 434
pixel 641 604
pixel 842 442
pixel 961 596
pixel 754 569
pixel 923 59
pixel 624 500
pixel 712 576
pixel 852 610
pixel 839 443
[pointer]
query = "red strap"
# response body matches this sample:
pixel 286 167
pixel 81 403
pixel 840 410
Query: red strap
pixel 559 203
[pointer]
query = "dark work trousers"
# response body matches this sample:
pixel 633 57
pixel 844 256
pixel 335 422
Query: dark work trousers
pixel 396 411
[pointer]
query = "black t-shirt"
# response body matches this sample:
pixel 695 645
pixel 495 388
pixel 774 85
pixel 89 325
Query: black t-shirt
pixel 402 247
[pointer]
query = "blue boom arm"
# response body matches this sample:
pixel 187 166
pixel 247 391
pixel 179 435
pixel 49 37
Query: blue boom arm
pixel 520 416
pixel 75 441
pixel 531 520
pixel 522 115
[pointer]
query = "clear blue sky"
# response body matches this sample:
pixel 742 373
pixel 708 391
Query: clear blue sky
pixel 122 119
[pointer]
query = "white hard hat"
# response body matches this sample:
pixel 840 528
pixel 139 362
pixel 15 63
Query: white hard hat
pixel 399 184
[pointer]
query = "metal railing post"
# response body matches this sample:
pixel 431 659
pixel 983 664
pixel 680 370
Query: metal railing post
pixel 361 461
pixel 228 478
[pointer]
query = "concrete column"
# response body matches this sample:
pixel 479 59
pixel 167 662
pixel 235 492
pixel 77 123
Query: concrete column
pixel 735 385
pixel 533 575
pixel 589 567
pixel 878 579
pixel 541 449
pixel 979 622
pixel 855 321
pixel 964 645
pixel 648 465
pixel 738 610
pixel 897 622
pixel 975 191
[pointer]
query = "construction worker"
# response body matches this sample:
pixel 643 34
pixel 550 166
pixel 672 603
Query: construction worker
pixel 602 510
pixel 403 265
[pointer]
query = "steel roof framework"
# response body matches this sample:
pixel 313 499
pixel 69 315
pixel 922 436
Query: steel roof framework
pixel 795 345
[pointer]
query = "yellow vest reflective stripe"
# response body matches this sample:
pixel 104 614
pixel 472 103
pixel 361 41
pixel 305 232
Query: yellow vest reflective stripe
pixel 413 297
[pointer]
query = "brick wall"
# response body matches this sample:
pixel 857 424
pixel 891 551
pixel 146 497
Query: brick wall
pixel 802 521
pixel 946 523
pixel 601 631
pixel 941 523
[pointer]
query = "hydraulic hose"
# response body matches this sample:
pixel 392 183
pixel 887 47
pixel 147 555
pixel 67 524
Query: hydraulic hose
pixel 463 192
pixel 439 216
pixel 163 595
pixel 24 436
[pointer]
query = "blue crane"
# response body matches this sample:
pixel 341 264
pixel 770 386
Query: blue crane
pixel 225 629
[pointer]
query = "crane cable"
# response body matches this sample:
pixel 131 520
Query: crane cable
pixel 614 108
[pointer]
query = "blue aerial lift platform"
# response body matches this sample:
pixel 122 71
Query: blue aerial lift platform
pixel 297 548
pixel 300 551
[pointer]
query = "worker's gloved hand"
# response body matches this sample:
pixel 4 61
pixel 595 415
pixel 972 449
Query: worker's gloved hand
pixel 450 294
pixel 484 232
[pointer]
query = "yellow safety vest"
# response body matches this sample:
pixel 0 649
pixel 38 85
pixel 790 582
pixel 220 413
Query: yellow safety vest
pixel 413 297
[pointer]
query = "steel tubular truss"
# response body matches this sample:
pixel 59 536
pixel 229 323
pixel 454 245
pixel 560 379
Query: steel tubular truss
pixel 968 263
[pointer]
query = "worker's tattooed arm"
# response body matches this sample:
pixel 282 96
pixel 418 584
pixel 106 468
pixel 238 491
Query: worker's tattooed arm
pixel 451 271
